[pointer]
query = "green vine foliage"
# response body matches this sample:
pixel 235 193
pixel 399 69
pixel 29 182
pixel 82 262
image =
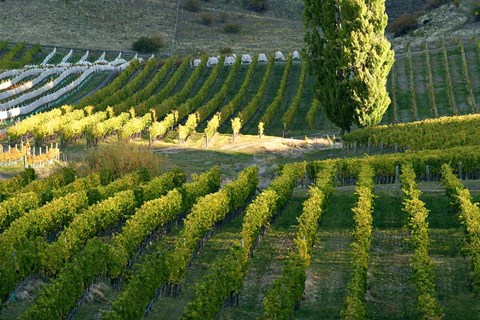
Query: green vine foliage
pixel 193 103
pixel 285 293
pixel 229 109
pixel 249 110
pixel 423 276
pixel 292 110
pixel 11 59
pixel 384 165
pixel 110 89
pixel 174 101
pixel 147 91
pixel 440 133
pixel 273 107
pixel 129 89
pixel 469 215
pixel 213 104
pixel 101 256
pixel 205 212
pixel 354 304
pixel 155 101
pixel 225 277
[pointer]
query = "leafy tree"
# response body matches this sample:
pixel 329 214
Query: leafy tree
pixel 148 44
pixel 350 59
pixel 261 129
pixel 236 127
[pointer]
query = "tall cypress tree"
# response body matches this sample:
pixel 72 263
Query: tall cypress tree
pixel 350 59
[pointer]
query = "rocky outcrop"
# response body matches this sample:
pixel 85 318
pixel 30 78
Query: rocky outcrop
pixel 447 21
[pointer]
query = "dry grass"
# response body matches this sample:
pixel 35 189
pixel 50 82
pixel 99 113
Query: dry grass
pixel 116 24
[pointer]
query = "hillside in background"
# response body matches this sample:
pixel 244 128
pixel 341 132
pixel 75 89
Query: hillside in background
pixel 116 24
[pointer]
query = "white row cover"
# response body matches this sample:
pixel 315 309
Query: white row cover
pixel 30 70
pixel 20 76
pixel 32 94
pixel 10 73
pixel 212 61
pixel 196 62
pixel 279 56
pixel 84 57
pixel 246 59
pixel 44 73
pixel 117 61
pixel 14 112
pixel 49 57
pixel 262 57
pixel 230 60
pixel 67 57
pixel 101 59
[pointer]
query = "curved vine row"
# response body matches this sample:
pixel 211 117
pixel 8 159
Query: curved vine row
pixel 292 110
pixel 249 110
pixel 110 89
pixel 225 276
pixel 273 107
pixel 101 257
pixel 285 293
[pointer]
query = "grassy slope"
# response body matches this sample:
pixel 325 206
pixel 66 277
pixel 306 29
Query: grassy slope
pixel 115 25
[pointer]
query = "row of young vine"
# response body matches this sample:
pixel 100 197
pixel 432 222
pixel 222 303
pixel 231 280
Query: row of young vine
pixel 292 110
pixel 286 292
pixel 274 106
pixel 355 304
pixel 427 304
pixel 208 108
pixel 225 276
pixel 161 128
pixel 24 241
pixel 110 256
pixel 386 165
pixel 11 59
pixel 130 88
pixel 469 215
pixel 444 132
pixel 208 211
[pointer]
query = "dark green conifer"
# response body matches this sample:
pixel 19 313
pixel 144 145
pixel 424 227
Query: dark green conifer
pixel 350 59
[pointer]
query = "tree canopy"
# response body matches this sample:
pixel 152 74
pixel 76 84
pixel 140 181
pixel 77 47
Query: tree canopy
pixel 350 59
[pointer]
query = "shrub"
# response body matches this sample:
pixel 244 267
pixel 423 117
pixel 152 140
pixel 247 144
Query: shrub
pixel 193 5
pixel 116 159
pixel 148 44
pixel 232 28
pixel 256 5
pixel 225 51
pixel 403 24
pixel 207 19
